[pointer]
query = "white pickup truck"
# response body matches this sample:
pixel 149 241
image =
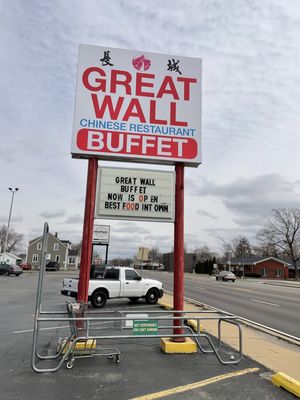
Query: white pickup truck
pixel 117 282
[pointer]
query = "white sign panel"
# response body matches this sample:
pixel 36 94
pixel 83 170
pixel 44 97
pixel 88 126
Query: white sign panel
pixel 136 194
pixel 137 106
pixel 101 234
pixel 143 254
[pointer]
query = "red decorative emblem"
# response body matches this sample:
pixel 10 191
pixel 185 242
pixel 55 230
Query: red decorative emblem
pixel 140 62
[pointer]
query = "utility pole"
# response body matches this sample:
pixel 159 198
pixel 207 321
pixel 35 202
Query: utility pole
pixel 13 191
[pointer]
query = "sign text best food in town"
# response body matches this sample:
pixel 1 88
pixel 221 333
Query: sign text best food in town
pixel 137 106
pixel 135 194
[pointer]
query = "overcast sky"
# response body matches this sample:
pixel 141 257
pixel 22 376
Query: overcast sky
pixel 251 112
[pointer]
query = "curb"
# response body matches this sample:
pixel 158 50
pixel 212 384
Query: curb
pixel 191 322
pixel 281 379
pixel 167 306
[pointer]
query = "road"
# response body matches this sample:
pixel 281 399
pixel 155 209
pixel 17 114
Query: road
pixel 273 306
pixel 176 376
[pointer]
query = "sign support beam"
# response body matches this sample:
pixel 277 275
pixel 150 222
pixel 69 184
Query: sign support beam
pixel 106 254
pixel 178 295
pixel 87 234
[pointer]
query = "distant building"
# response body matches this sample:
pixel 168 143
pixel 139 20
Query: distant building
pixel 57 250
pixel 10 258
pixel 265 267
pixel 189 262
pixel 73 259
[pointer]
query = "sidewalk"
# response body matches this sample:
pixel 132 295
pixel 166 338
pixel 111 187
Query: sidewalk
pixel 275 354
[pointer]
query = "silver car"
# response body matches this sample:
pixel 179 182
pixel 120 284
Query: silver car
pixel 10 269
pixel 225 276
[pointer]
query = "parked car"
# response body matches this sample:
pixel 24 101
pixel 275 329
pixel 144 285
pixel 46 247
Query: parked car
pixel 10 269
pixel 26 266
pixel 118 282
pixel 225 276
pixel 52 266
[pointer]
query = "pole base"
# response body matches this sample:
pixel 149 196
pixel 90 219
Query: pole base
pixel 171 347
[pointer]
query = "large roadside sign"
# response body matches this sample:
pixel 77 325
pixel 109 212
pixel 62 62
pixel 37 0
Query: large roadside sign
pixel 135 194
pixel 137 106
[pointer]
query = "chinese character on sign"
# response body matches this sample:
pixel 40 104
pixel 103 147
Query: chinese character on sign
pixel 173 66
pixel 106 59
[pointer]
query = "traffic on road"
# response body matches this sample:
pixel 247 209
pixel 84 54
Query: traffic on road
pixel 257 300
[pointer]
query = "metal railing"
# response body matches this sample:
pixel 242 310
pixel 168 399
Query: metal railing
pixel 87 327
pixel 95 328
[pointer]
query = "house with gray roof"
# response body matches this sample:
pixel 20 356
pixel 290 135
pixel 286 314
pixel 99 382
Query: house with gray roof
pixel 58 250
pixel 255 266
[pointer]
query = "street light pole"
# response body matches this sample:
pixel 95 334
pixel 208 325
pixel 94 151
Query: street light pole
pixel 13 191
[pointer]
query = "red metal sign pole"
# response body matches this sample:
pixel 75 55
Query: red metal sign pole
pixel 87 235
pixel 178 302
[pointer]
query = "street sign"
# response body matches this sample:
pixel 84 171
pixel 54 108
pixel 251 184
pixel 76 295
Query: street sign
pixel 101 234
pixel 135 194
pixel 137 106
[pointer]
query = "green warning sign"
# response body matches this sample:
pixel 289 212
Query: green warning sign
pixel 145 327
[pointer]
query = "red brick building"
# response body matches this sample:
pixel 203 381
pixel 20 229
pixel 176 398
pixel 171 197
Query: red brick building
pixel 265 267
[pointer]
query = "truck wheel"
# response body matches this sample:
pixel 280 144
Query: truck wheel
pixel 152 296
pixel 98 299
pixel 134 299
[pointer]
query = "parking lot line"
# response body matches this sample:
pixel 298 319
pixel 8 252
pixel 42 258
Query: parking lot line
pixel 44 329
pixel 196 385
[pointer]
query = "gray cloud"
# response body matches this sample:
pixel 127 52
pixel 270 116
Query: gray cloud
pixel 14 218
pixel 251 200
pixel 206 214
pixel 251 104
pixel 74 219
pixel 53 214
pixel 131 228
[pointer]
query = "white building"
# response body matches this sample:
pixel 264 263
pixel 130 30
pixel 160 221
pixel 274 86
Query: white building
pixel 9 258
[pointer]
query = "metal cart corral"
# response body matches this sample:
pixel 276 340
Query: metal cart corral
pixel 86 347
pixel 79 343
pixel 87 327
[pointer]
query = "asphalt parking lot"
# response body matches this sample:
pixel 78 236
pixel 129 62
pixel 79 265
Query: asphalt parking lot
pixel 145 372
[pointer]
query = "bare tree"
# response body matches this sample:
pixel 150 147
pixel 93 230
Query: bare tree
pixel 204 253
pixel 266 250
pixel 14 240
pixel 154 255
pixel 77 246
pixel 283 232
pixel 238 247
pixel 120 262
